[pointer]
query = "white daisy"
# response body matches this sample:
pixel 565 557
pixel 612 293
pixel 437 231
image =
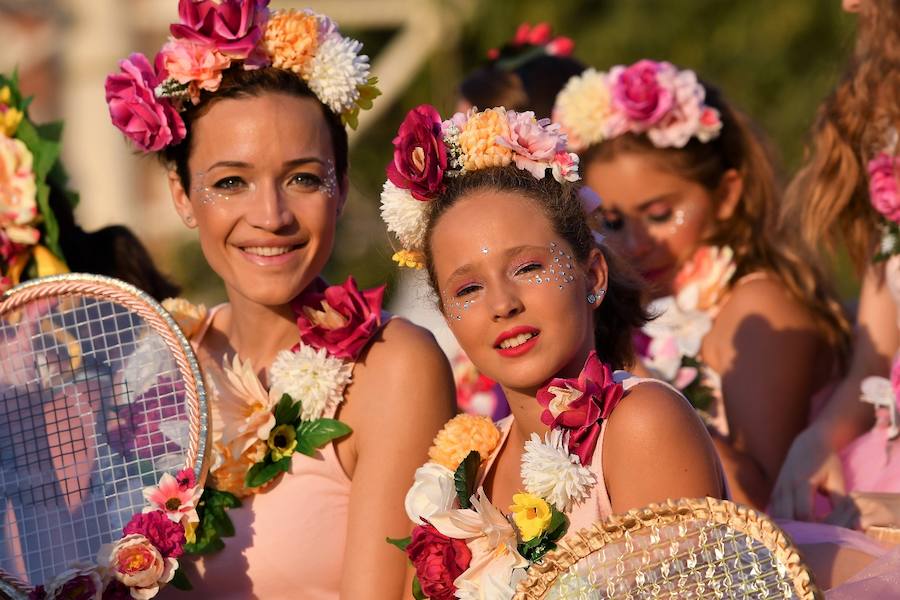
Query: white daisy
pixel 337 71
pixel 404 215
pixel 311 377
pixel 551 473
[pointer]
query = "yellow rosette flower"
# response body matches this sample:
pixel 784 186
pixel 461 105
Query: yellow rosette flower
pixel 478 140
pixel 463 434
pixel 282 442
pixel 531 515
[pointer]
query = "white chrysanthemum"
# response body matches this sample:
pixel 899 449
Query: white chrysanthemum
pixel 550 472
pixel 584 109
pixel 311 377
pixel 888 242
pixel 337 71
pixel 404 215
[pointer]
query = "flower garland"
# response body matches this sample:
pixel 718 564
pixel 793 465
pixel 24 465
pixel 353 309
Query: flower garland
pixel 428 151
pixel 215 35
pixel 146 557
pixel 649 97
pixel 462 546
pixel 530 42
pixel 884 172
pixel 29 166
pixel 670 344
pixel 256 431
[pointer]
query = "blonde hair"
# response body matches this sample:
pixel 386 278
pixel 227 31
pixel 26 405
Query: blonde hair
pixel 828 200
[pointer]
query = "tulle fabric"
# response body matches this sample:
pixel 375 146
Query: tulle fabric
pixel 879 581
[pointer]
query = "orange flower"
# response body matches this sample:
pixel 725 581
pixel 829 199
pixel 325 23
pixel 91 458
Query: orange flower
pixel 291 39
pixel 478 140
pixel 230 475
pixel 461 435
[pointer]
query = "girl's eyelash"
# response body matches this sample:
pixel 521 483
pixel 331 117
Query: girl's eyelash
pixel 465 290
pixel 309 179
pixel 528 267
pixel 229 182
pixel 660 218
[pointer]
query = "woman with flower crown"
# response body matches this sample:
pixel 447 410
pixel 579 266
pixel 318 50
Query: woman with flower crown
pixel 322 405
pixel 689 197
pixel 487 202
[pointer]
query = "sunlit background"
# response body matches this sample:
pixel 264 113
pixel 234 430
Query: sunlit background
pixel 775 59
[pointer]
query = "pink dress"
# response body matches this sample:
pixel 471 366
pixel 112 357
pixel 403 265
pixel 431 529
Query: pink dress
pixel 289 540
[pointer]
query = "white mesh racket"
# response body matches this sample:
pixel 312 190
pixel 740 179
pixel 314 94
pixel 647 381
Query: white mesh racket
pixel 100 394
pixel 684 549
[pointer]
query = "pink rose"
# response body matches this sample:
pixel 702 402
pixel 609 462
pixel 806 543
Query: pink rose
pixel 135 562
pixel 581 405
pixel 883 186
pixel 420 157
pixel 166 535
pixel 534 143
pixel 151 123
pixel 196 64
pixel 438 561
pixel 685 119
pixel 233 27
pixel 637 91
pixel 341 319
pixel 536 36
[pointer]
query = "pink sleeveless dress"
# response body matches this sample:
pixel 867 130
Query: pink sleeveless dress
pixel 289 540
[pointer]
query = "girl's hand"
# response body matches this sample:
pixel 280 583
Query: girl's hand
pixel 811 465
pixel 861 510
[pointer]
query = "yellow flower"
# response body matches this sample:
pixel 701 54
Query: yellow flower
pixel 47 262
pixel 5 95
pixel 291 40
pixel 478 140
pixel 190 531
pixel 531 515
pixel 9 121
pixel 282 441
pixel 190 317
pixel 463 434
pixel 411 259
pixel 584 109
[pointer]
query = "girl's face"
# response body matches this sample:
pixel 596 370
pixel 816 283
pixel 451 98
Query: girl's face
pixel 511 290
pixel 263 194
pixel 655 219
pixel 851 5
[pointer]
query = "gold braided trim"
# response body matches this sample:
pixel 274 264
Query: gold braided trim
pixel 758 526
pixel 889 535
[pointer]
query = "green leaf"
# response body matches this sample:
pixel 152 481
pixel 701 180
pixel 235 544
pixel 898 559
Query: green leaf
pixel 214 521
pixel 316 434
pixel 287 411
pixel 400 543
pixel 213 497
pixel 263 472
pixel 180 581
pixel 417 592
pixel 464 478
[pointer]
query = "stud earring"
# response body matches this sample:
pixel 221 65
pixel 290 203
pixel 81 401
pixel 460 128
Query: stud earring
pixel 592 298
pixel 189 220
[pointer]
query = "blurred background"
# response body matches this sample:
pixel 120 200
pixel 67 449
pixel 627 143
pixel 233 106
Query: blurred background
pixel 774 59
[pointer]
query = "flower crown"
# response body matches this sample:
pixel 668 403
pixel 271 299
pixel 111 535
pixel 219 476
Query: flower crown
pixel 29 165
pixel 529 43
pixel 648 97
pixel 215 35
pixel 884 173
pixel 428 151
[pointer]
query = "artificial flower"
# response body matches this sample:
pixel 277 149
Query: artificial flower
pixel 438 561
pixel 232 27
pixel 403 215
pixel 311 376
pixel 531 515
pixel 196 64
pixel 536 35
pixel 359 312
pixel 282 442
pixel 461 435
pixel 291 39
pixel 189 317
pixel 550 472
pixel 585 111
pixel 78 582
pixel 245 414
pixel 10 117
pixel 151 123
pixel 565 167
pixel 18 193
pixel 676 332
pixel 135 562
pixel 420 156
pixel 174 500
pixel 337 72
pixel 230 472
pixel 476 393
pixel 534 143
pixel 165 535
pixel 709 271
pixel 685 119
pixel 883 173
pixel 411 259
pixel 478 140
pixel 433 491
pixel 581 405
pixel 638 92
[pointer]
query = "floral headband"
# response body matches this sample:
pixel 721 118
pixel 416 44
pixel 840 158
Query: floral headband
pixel 428 151
pixel 529 43
pixel 29 165
pixel 648 97
pixel 214 35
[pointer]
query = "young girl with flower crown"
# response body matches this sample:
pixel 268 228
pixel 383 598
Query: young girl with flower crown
pixel 689 198
pixel 319 415
pixel 487 202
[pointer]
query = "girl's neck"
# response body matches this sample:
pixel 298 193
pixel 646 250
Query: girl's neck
pixel 526 414
pixel 257 332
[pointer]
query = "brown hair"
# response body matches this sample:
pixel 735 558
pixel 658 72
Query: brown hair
pixel 828 200
pixel 240 83
pixel 751 231
pixel 621 311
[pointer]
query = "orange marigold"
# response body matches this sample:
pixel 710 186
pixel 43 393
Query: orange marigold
pixel 291 40
pixel 231 474
pixel 461 435
pixel 478 140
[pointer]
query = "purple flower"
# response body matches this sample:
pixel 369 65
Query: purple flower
pixel 233 27
pixel 150 122
pixel 420 157
pixel 166 535
pixel 639 93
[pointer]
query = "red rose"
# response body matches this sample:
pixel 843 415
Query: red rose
pixel 233 27
pixel 420 157
pixel 581 405
pixel 438 560
pixel 340 318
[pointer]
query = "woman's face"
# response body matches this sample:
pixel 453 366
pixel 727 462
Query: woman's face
pixel 655 219
pixel 852 6
pixel 512 292
pixel 263 194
